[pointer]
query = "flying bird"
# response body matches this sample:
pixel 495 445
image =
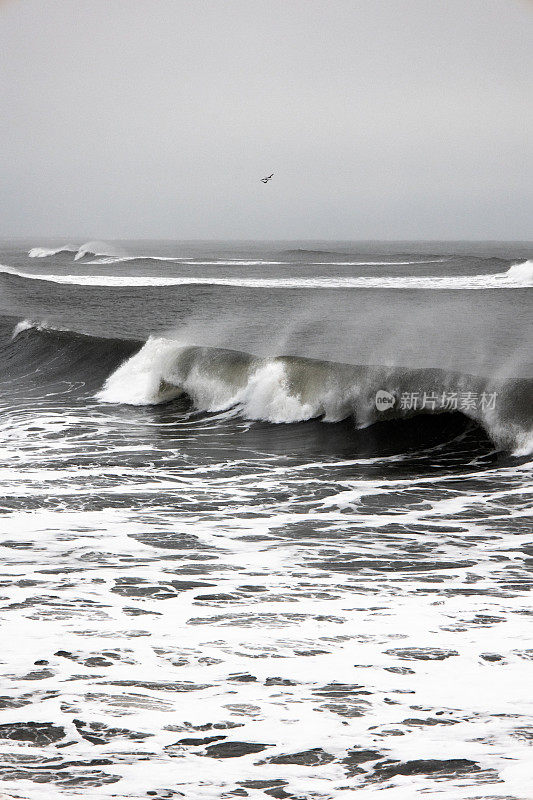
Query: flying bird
pixel 266 180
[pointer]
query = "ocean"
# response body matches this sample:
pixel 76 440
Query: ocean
pixel 265 522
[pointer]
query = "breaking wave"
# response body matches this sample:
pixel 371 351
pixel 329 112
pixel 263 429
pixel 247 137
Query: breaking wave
pixel 518 276
pixel 44 252
pixel 278 389
pixel 288 389
pixel 522 272
pixel 94 248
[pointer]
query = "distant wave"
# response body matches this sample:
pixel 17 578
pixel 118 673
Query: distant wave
pixel 105 253
pixel 380 263
pixel 518 276
pixel 302 251
pixel 241 262
pixel 93 248
pixel 188 261
pixel 97 249
pixel 306 253
pixel 120 259
pixel 44 252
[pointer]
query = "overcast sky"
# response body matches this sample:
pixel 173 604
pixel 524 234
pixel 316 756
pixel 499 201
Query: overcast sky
pixel 156 118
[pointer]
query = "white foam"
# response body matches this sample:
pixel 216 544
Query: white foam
pixel 28 324
pixel 519 276
pixel 522 272
pixel 267 396
pixel 524 446
pixel 23 325
pixel 156 374
pixel 138 380
pixel 320 631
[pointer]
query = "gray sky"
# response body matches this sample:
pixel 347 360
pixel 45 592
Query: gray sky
pixel 156 118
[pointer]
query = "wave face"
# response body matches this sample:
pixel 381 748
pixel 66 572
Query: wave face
pixel 289 389
pixel 518 276
pixel 39 353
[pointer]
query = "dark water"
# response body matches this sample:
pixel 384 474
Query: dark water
pixel 226 571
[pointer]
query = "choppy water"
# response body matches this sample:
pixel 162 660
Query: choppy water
pixel 224 572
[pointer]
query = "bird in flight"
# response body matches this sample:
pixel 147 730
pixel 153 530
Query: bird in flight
pixel 266 180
